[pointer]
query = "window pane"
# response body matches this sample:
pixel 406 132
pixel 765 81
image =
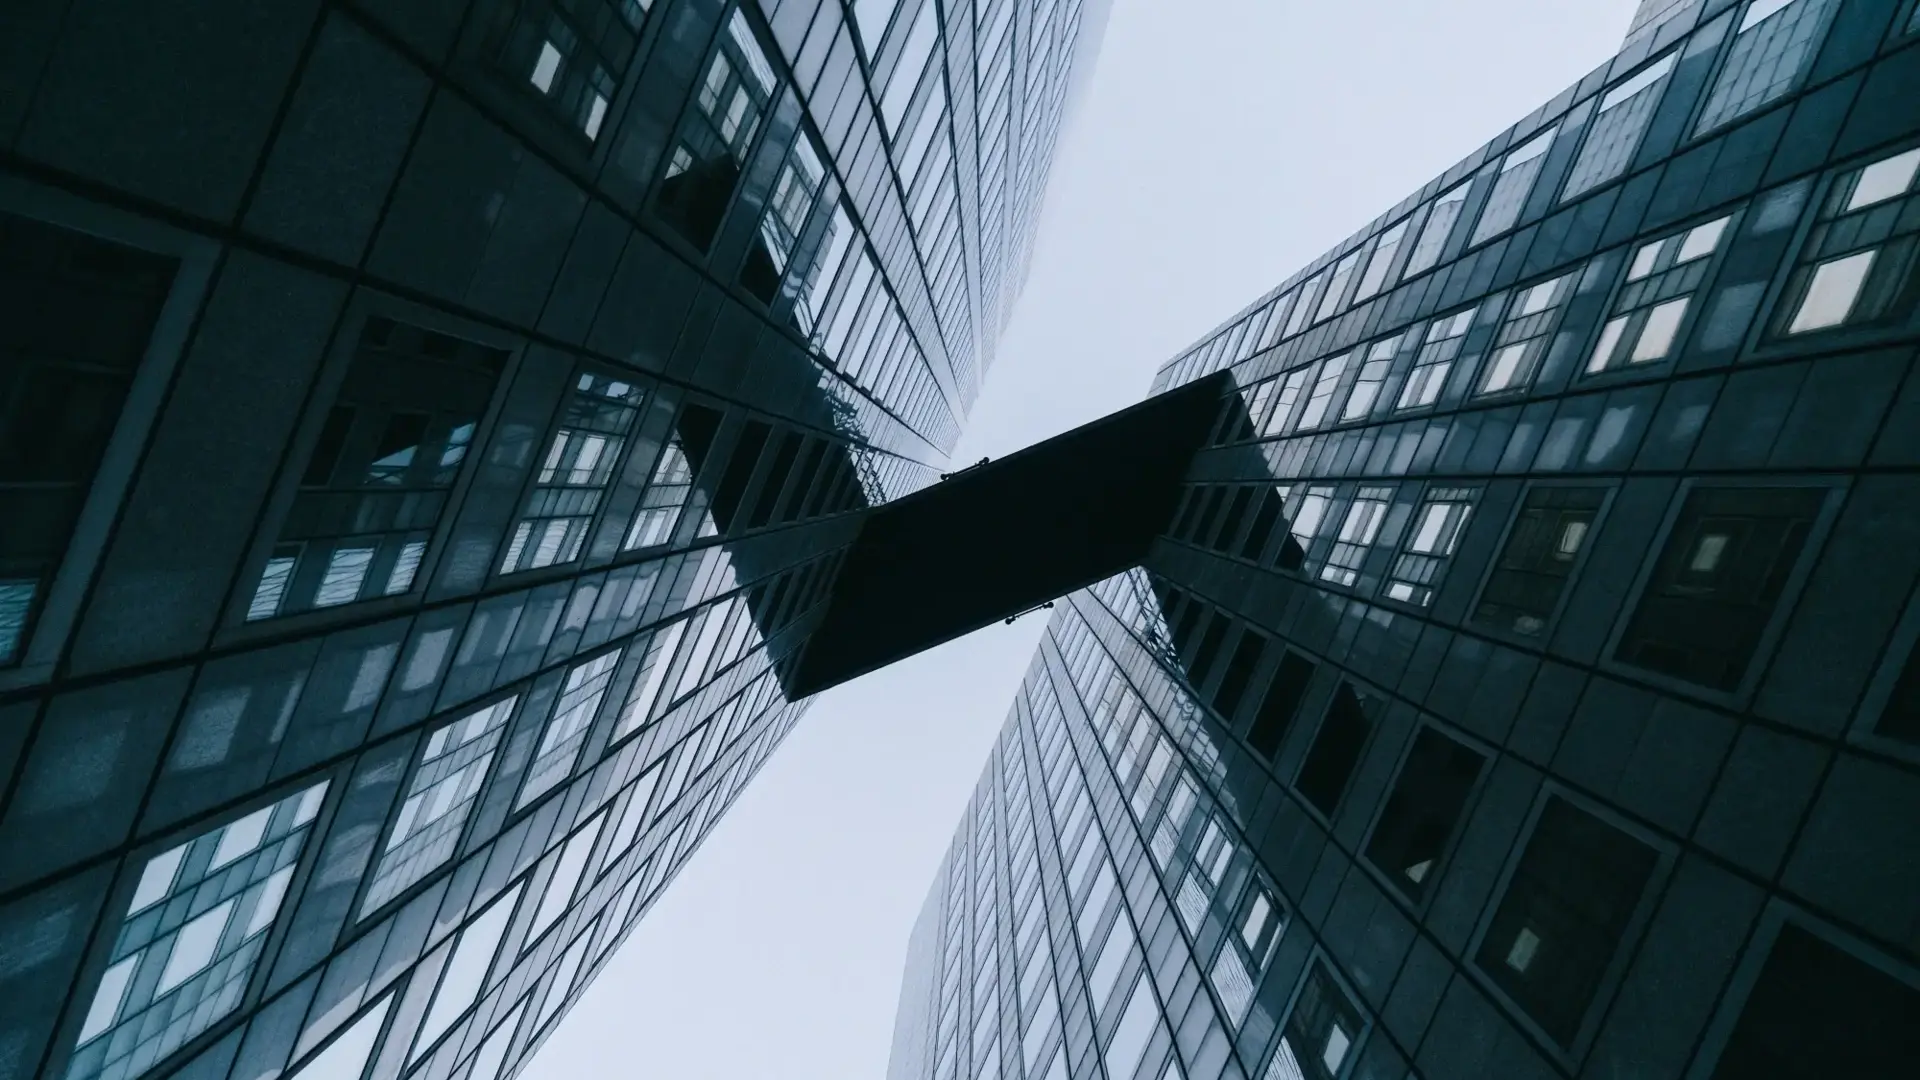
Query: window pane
pixel 1423 810
pixel 1831 293
pixel 1565 911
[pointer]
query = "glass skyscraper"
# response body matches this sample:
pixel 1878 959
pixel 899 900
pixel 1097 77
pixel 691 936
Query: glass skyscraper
pixel 429 433
pixel 1526 685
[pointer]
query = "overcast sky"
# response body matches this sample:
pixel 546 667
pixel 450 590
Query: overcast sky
pixel 1220 145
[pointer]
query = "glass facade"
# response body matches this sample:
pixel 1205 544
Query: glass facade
pixel 1525 685
pixel 428 435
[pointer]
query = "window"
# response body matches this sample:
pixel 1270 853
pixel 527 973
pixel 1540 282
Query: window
pixel 1337 286
pixel 788 207
pixel 650 679
pixel 562 982
pixel 1648 312
pixel 345 1058
pixel 1321 1031
pixel 465 973
pixel 1512 185
pixel 872 17
pixel 1857 267
pixel 1243 956
pixel 390 451
pixel 1564 914
pixel 814 284
pixel 1357 532
pixel 1138 1023
pixel 1210 858
pixel 1441 216
pixel 574 473
pixel 1281 702
pixel 1775 42
pixel 491 1058
pixel 666 495
pixel 567 871
pixel 1366 384
pixel 908 69
pixel 566 730
pixel 1284 400
pixel 704 165
pixel 79 319
pixel 186 947
pixel 1435 534
pixel 1423 810
pixel 453 766
pixel 1335 751
pixel 1613 135
pixel 1381 261
pixel 571 54
pixel 1816 1011
pixel 1717 582
pixel 1272 501
pixel 1542 549
pixel 1522 340
pixel 1308 515
pixel 1308 293
pixel 1437 354
pixel 1320 403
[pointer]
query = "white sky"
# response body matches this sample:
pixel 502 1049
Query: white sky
pixel 1220 145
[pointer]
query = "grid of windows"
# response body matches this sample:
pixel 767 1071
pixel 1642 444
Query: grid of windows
pixel 704 168
pixel 1438 350
pixel 1857 265
pixel 1512 184
pixel 1651 308
pixel 575 471
pixel 1774 45
pixel 1614 133
pixel 453 766
pixel 191 935
pixel 1524 335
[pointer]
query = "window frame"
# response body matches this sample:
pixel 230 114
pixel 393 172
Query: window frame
pixel 1836 487
pixel 1696 299
pixel 1552 621
pixel 1635 927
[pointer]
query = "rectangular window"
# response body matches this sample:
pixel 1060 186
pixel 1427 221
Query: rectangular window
pixel 1613 135
pixel 1442 215
pixel 1564 914
pixel 1648 314
pixel 1857 266
pixel 1775 43
pixel 1284 400
pixel 1431 541
pixel 1366 384
pixel 1543 546
pixel 390 452
pixel 788 207
pixel 1423 810
pixel 465 973
pixel 1138 1022
pixel 1320 403
pixel 1717 581
pixel 1335 751
pixel 1438 351
pixel 1278 706
pixel 186 947
pixel 80 314
pixel 1357 532
pixel 1816 1011
pixel 575 472
pixel 446 783
pixel 1321 1033
pixel 570 55
pixel 1337 287
pixel 1308 516
pixel 1309 294
pixel 1265 518
pixel 1523 337
pixel 1512 185
pixel 1381 261
pixel 704 166
pixel 566 730
pixel 905 76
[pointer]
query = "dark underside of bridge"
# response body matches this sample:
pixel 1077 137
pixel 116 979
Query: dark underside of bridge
pixel 1005 537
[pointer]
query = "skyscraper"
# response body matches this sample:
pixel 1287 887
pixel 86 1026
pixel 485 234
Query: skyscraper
pixel 1526 685
pixel 427 435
